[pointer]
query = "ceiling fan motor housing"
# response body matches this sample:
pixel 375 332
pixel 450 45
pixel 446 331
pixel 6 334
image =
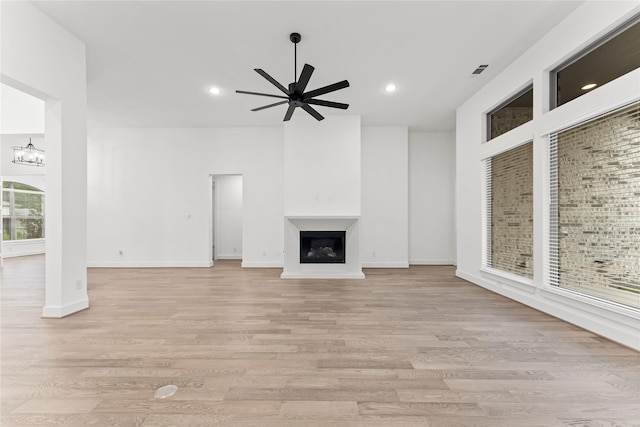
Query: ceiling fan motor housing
pixel 295 37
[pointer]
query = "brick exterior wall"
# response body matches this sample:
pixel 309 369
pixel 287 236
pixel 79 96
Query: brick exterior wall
pixel 512 211
pixel 599 206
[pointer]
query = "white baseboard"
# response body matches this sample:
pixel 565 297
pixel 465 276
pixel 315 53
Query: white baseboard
pixel 321 275
pixel 57 312
pixel 22 253
pixel 229 256
pixel 147 264
pixel 367 264
pixel 432 261
pixel 265 264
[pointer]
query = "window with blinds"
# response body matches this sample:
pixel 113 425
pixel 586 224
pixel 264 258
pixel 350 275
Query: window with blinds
pixel 595 207
pixel 509 211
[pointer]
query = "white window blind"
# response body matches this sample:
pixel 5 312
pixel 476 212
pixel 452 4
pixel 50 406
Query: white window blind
pixel 487 212
pixel 509 211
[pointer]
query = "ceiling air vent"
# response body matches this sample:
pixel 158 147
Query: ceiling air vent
pixel 480 69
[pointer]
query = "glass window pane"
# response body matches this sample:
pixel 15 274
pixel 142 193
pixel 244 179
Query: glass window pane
pixel 613 58
pixel 6 200
pixel 29 229
pixel 6 228
pixel 516 112
pixel 28 204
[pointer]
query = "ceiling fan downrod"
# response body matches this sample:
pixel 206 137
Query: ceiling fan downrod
pixel 295 38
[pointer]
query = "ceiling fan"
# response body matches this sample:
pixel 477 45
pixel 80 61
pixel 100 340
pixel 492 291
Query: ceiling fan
pixel 295 92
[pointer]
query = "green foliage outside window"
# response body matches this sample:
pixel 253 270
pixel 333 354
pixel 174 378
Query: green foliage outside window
pixel 22 212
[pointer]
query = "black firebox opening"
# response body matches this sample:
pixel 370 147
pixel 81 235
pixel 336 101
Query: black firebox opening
pixel 322 247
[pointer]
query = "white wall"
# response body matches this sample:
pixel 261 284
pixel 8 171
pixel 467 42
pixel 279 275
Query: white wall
pixel 384 226
pixel 322 173
pixel 228 214
pixel 432 198
pixel 157 210
pixel 587 24
pixel 20 113
pixel 44 60
pixel 149 194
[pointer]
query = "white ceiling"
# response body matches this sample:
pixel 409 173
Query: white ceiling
pixel 149 64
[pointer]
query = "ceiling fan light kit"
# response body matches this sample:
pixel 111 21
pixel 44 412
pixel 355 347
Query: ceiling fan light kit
pixel 294 93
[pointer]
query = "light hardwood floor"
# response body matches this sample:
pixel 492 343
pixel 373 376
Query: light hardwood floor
pixel 414 347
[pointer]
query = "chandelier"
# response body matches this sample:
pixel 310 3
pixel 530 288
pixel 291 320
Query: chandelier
pixel 29 155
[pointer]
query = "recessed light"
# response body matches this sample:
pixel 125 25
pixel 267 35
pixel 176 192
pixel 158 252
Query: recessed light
pixel 390 88
pixel 589 86
pixel 215 91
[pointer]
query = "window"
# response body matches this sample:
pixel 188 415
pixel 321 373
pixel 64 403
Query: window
pixel 595 207
pixel 610 58
pixel 511 114
pixel 22 212
pixel 509 209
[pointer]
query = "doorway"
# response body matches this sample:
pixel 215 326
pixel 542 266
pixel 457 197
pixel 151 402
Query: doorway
pixel 226 216
pixel 23 183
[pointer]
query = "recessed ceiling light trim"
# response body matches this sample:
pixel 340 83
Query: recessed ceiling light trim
pixel 215 90
pixel 390 88
pixel 589 86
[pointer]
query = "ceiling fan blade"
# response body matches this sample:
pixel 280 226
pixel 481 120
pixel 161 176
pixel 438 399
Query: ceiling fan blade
pixel 270 105
pixel 262 94
pixel 272 80
pixel 304 78
pixel 289 113
pixel 327 103
pixel 325 89
pixel 311 111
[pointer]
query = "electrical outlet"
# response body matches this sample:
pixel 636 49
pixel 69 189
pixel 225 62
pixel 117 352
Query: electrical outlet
pixel 120 252
pixel 78 284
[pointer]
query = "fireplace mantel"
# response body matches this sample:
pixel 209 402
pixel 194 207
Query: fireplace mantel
pixel 294 224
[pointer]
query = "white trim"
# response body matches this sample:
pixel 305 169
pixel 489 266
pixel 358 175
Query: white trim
pixel 322 275
pixel 236 256
pixel 615 325
pixel 152 264
pixel 431 261
pixel 385 265
pixel 265 264
pixel 16 248
pixel 57 312
pixel 506 277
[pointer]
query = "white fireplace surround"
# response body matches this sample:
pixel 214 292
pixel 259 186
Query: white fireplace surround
pixel 351 269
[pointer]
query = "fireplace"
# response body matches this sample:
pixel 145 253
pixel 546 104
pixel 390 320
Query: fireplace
pixel 322 247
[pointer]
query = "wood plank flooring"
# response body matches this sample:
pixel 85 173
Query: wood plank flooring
pixel 407 347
